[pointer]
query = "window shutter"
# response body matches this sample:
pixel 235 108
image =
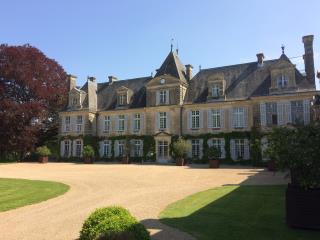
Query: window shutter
pixel 306 111
pixel 263 114
pixel 245 117
pixel 201 148
pixel 246 155
pixel 223 150
pixel 157 123
pixel 141 152
pixel 117 123
pixel 209 117
pixel 116 150
pixel 209 142
pixel 168 97
pixel 189 154
pixel 157 97
pixel 142 123
pixel 233 150
pixel 190 119
pixel 280 113
pixel 132 123
pixel 101 148
pixel 287 111
pixel 168 121
pixel 62 148
pixel 125 123
pixel 222 118
pixel 200 119
pixel 231 120
pixel 73 144
pixel 132 146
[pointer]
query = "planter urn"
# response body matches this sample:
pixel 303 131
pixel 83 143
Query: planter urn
pixel 43 159
pixel 125 160
pixel 214 163
pixel 180 162
pixel 88 160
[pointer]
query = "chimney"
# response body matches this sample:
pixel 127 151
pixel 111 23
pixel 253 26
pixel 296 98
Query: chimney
pixel 112 79
pixel 260 57
pixel 72 81
pixel 92 79
pixel 308 57
pixel 189 68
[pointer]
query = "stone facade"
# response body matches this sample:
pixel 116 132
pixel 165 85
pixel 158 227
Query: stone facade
pixel 204 108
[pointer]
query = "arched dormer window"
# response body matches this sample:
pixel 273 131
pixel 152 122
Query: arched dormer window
pixel 282 81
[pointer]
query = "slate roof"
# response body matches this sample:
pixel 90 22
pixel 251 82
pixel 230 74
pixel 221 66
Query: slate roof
pixel 242 81
pixel 107 95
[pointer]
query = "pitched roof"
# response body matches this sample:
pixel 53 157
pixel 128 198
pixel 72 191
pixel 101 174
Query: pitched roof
pixel 172 66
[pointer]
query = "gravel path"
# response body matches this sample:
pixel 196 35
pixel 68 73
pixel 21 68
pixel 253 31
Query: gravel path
pixel 143 189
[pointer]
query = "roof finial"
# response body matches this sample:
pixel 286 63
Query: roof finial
pixel 177 49
pixel 199 68
pixel 282 47
pixel 171 44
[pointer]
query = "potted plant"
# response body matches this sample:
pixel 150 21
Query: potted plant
pixel 88 154
pixel 296 150
pixel 180 148
pixel 43 152
pixel 213 156
pixel 127 149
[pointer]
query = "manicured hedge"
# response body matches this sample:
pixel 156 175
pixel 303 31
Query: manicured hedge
pixel 113 223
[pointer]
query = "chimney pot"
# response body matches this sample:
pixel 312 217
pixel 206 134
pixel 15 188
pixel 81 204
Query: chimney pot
pixel 112 79
pixel 260 58
pixel 308 57
pixel 72 81
pixel 189 68
pixel 92 79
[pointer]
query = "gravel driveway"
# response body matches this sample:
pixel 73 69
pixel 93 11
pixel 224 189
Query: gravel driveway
pixel 143 189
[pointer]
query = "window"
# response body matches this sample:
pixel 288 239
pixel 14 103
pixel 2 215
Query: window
pixel 282 81
pixel 122 99
pixel 162 120
pixel 121 145
pixel 66 148
pixel 195 119
pixel 238 117
pixel 79 123
pixel 297 112
pixel 107 123
pixel 67 123
pixel 74 101
pixel 137 148
pixel 216 118
pixel 121 123
pixel 272 116
pixel 217 90
pixel 163 149
pixel 137 122
pixel 106 148
pixel 195 148
pixel 218 145
pixel 239 148
pixel 78 148
pixel 163 96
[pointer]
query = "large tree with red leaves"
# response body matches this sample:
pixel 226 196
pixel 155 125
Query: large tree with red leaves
pixel 32 90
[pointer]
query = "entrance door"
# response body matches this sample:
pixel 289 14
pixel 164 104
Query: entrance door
pixel 163 151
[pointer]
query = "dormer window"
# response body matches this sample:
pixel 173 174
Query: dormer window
pixel 122 99
pixel 282 81
pixel 74 101
pixel 163 97
pixel 217 90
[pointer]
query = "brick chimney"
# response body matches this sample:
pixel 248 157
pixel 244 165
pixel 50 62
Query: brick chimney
pixel 189 69
pixel 112 79
pixel 72 81
pixel 260 58
pixel 308 57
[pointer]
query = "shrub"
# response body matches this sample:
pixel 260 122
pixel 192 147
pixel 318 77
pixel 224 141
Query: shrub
pixel 296 149
pixel 213 153
pixel 88 151
pixel 113 223
pixel 43 151
pixel 180 148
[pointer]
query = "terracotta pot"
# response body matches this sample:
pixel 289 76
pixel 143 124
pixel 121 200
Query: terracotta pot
pixel 88 160
pixel 214 163
pixel 125 160
pixel 180 162
pixel 43 159
pixel 302 207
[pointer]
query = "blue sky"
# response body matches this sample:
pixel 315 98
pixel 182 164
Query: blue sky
pixel 130 39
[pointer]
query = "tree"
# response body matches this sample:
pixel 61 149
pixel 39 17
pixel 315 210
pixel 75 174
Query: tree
pixel 32 90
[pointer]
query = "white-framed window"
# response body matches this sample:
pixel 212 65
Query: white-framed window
pixel 107 124
pixel 163 97
pixel 282 81
pixel 121 123
pixel 74 101
pixel 137 148
pixel 195 148
pixel 137 122
pixel 238 117
pixel 216 118
pixel 121 148
pixel 67 122
pixel 106 148
pixel 239 148
pixel 67 148
pixel 195 119
pixel 217 90
pixel 78 148
pixel 162 120
pixel 163 149
pixel 79 123
pixel 122 99
pixel 217 143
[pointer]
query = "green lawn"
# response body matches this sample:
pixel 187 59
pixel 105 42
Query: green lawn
pixel 16 193
pixel 235 212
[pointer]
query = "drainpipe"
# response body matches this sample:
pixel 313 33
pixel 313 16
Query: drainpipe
pixel 181 120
